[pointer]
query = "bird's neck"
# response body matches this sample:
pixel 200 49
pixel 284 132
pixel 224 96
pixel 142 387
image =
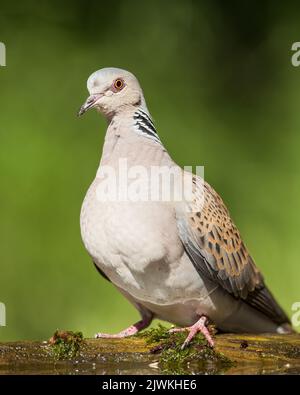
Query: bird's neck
pixel 131 134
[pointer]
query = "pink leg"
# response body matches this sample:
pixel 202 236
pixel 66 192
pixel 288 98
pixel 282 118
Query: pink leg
pixel 131 330
pixel 199 326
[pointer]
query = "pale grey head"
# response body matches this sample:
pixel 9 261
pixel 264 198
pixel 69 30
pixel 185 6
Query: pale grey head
pixel 112 91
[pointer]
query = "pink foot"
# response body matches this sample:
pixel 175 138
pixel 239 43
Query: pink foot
pixel 131 330
pixel 199 326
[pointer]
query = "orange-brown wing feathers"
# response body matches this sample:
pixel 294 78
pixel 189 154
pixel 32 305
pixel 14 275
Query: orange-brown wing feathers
pixel 219 238
pixel 217 251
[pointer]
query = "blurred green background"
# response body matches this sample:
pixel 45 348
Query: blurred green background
pixel 219 83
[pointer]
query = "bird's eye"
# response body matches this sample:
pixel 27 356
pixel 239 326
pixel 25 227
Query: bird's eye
pixel 118 84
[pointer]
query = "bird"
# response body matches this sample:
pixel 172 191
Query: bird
pixel 179 260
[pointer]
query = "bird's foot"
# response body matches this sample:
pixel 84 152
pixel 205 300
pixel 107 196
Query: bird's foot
pixel 130 331
pixel 199 326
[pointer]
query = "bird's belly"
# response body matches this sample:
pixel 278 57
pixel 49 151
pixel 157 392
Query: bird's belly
pixel 136 244
pixel 184 313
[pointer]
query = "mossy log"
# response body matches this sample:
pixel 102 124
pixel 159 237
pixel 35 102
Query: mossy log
pixel 153 353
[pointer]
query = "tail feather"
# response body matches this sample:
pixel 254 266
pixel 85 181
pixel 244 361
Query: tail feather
pixel 263 300
pixel 285 328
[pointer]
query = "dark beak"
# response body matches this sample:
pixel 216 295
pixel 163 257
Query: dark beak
pixel 90 102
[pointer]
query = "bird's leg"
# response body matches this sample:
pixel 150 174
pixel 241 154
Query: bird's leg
pixel 131 330
pixel 199 326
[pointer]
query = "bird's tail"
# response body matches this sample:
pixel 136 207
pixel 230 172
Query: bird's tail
pixel 285 328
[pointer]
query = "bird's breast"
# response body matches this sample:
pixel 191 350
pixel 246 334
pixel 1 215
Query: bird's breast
pixel 137 231
pixel 136 244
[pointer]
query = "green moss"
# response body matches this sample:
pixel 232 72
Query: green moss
pixel 154 335
pixel 65 344
pixel 174 360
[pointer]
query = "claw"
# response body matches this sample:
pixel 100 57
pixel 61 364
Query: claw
pixel 199 326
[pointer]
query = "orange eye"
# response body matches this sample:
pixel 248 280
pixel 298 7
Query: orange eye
pixel 119 84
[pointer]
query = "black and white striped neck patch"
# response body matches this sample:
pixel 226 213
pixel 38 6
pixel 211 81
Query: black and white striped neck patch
pixel 145 126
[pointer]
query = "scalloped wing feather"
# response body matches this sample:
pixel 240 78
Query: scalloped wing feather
pixel 216 249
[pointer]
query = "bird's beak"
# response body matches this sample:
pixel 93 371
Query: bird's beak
pixel 90 102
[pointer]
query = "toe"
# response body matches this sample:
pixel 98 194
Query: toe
pixel 210 341
pixel 185 344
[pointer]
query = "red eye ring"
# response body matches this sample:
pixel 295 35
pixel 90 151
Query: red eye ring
pixel 119 84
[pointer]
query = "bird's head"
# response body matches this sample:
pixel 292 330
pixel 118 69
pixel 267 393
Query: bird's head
pixel 111 91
